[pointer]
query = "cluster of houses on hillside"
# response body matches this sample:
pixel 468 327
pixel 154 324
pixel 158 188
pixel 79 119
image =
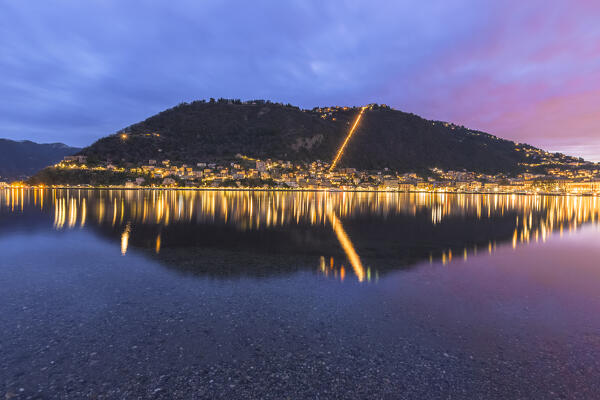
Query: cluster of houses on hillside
pixel 247 172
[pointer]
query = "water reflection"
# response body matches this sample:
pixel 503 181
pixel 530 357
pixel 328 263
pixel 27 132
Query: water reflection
pixel 346 244
pixel 388 230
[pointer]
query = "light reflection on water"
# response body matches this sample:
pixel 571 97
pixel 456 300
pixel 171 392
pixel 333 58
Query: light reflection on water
pixel 534 218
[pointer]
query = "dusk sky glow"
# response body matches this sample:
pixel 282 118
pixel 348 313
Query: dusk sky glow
pixel 74 71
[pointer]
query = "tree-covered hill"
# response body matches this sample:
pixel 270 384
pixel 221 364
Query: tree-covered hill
pixel 217 130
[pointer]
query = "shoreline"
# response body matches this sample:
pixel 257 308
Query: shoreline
pixel 328 190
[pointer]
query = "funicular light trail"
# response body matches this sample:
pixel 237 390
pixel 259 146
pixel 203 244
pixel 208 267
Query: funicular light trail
pixel 347 246
pixel 350 133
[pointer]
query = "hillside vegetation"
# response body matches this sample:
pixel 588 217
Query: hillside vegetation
pixel 218 130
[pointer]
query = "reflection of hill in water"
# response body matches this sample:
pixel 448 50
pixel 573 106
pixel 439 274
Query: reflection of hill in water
pixel 259 233
pixel 395 242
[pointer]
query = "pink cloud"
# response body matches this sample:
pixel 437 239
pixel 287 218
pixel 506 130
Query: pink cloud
pixel 563 123
pixel 532 74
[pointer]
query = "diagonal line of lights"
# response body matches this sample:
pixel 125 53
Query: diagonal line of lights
pixel 343 146
pixel 347 246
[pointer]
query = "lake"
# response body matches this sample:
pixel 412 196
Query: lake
pixel 266 294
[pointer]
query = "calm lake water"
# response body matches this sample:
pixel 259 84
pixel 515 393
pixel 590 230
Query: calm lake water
pixel 215 294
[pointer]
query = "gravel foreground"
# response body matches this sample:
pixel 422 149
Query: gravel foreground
pixel 85 325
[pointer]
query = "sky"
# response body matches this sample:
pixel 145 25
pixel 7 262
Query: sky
pixel 74 71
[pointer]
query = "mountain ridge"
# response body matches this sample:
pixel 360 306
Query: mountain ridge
pixel 20 159
pixel 386 138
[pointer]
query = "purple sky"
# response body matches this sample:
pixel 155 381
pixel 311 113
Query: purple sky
pixel 74 71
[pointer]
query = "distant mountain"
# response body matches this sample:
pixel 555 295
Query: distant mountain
pixel 21 159
pixel 217 130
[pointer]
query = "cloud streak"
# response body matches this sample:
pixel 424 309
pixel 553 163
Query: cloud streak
pixel 75 71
